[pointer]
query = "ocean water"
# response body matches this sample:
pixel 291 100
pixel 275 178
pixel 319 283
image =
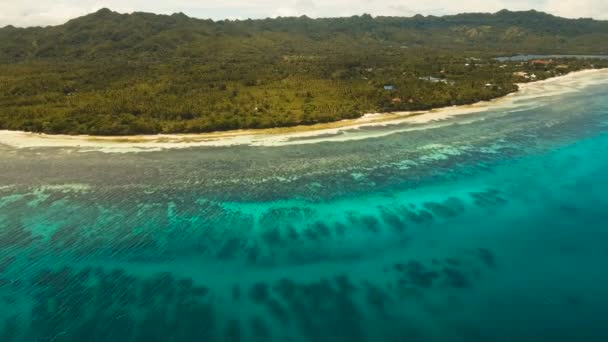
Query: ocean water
pixel 519 58
pixel 485 227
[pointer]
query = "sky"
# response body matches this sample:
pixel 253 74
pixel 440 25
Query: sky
pixel 53 12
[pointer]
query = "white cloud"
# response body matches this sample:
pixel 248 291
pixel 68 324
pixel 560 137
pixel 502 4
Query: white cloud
pixel 52 12
pixel 580 9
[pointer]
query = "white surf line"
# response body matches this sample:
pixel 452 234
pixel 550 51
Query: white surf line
pixel 341 131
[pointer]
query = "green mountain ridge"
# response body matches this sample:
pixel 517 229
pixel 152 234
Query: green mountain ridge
pixel 106 34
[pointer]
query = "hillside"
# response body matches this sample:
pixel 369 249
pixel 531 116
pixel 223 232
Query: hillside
pixel 111 73
pixel 143 35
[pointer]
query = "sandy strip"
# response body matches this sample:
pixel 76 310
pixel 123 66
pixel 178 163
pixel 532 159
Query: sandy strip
pixel 337 131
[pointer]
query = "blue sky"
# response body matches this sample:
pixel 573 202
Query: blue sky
pixel 52 12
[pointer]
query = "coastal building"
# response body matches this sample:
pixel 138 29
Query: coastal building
pixel 521 74
pixel 389 87
pixel 541 62
pixel 436 80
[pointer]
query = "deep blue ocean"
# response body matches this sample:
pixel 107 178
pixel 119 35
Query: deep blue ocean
pixel 484 227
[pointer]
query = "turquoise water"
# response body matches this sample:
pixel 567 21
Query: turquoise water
pixel 487 227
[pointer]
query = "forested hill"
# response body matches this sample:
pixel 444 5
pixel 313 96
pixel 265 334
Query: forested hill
pixel 112 74
pixel 106 34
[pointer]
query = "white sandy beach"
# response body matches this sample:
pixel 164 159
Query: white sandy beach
pixel 338 131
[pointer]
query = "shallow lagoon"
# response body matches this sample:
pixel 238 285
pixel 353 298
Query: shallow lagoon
pixel 489 226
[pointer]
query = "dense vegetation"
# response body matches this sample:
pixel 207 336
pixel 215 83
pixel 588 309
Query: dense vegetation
pixel 110 74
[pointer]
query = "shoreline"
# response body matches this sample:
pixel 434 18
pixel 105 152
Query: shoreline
pixel 333 131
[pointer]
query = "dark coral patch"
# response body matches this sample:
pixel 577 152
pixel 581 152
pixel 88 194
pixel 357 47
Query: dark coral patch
pixel 259 329
pixel 418 217
pixel 455 204
pixel 490 197
pixel 232 332
pixel 487 257
pixel 272 236
pixel 452 261
pixel 440 209
pixel 344 284
pixel 419 275
pixel 229 248
pixel 312 234
pixel 259 292
pixel 321 229
pixel 322 309
pixel 13 237
pixel 291 233
pixel 277 310
pixel 371 223
pixel 10 329
pixel 6 262
pixel 377 299
pixel 455 278
pixel 392 219
pixel 253 254
pixel 73 305
pixel 340 229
